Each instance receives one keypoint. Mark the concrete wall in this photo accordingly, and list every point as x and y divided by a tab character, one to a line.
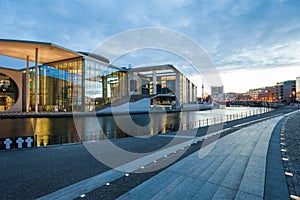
16	76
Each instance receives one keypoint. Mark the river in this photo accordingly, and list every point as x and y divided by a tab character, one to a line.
48	131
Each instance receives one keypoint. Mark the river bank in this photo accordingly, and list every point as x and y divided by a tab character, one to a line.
31	173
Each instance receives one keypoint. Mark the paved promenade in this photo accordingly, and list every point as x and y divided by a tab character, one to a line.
235	168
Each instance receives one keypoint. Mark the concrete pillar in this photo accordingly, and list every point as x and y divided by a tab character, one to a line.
36	82
139	85
191	92
183	90
177	90
154	82
27	88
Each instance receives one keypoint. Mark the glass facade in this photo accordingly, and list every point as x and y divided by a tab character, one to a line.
298	88
79	84
103	84
87	84
8	92
164	85
166	82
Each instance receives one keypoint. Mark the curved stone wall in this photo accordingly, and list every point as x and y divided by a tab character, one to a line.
16	76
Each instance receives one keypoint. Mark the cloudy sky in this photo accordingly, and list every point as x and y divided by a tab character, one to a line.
252	43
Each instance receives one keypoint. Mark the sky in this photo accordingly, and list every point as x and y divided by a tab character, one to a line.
252	43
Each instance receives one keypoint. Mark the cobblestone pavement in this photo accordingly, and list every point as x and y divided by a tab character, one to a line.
292	140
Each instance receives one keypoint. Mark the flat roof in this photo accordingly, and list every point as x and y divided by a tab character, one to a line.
155	67
47	52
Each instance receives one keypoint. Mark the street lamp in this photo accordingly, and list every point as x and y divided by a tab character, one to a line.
293	94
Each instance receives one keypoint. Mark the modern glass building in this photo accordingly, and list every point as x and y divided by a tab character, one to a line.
162	79
64	80
79	84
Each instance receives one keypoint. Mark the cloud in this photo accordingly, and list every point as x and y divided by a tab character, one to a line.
237	34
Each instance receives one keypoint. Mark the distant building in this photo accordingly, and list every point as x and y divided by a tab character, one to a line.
285	91
217	93
231	96
298	88
263	94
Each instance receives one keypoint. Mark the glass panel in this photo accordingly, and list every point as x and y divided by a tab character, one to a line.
8	92
102	84
60	86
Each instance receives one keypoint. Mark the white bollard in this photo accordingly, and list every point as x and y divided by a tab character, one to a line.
7	143
29	141
20	141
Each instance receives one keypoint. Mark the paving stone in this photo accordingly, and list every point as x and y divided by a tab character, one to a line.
235	174
246	196
218	176
252	184
165	190
226	172
224	193
186	190
207	191
152	186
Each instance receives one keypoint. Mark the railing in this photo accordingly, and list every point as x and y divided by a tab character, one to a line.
220	119
74	137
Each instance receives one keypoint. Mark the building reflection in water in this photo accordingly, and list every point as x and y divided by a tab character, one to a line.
48	131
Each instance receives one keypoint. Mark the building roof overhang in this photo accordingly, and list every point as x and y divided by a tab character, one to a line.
47	52
154	68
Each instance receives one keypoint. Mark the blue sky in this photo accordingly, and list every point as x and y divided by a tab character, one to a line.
248	40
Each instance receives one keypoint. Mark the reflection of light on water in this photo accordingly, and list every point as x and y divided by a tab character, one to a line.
49	131
41	129
46	139
42	140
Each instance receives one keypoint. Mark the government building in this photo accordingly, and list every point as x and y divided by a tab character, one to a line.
62	80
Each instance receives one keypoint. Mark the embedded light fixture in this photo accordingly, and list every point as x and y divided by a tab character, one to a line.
142	167
127	174
283	150
285	159
154	161
288	174
82	196
294	197
107	184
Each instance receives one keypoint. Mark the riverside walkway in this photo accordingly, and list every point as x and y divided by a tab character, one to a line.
235	168
240	164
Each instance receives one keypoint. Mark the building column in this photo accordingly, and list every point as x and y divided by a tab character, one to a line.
27	87
128	76
191	92
36	82
154	80
177	90
139	85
